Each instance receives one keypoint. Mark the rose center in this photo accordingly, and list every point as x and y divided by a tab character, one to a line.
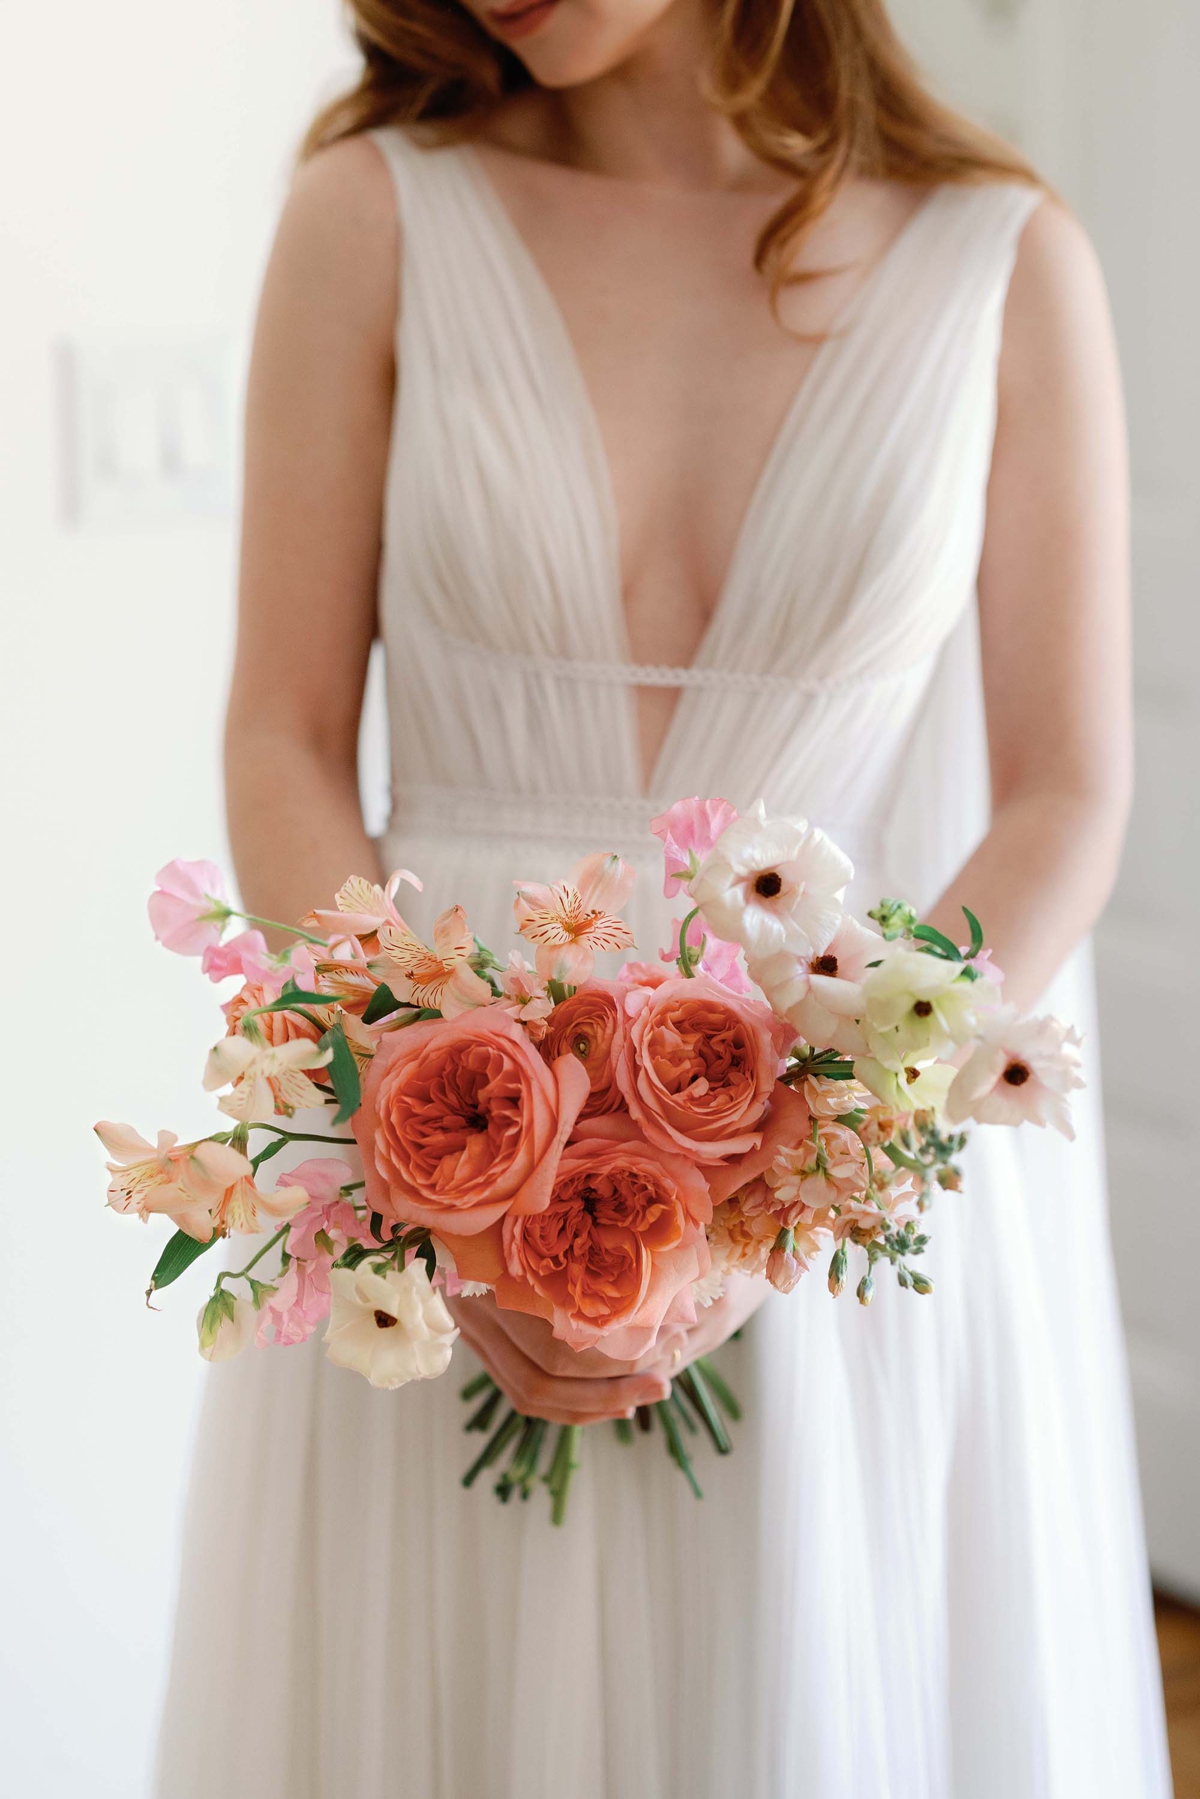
581	1046
385	1321
824	964
922	1008
474	1121
1016	1074
769	884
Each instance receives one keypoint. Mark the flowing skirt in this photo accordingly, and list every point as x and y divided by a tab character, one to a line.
920	1575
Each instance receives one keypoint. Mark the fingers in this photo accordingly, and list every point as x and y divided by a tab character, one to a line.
537	1394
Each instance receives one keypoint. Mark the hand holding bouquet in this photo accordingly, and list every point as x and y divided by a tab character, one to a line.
786	1084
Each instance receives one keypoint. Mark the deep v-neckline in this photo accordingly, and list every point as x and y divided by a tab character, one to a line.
782	447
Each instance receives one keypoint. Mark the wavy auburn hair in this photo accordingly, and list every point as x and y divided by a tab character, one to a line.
819	89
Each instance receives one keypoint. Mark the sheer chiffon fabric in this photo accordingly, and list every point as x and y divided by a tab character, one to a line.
921	1574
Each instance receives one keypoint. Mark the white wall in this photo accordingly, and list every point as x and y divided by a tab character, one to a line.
145	149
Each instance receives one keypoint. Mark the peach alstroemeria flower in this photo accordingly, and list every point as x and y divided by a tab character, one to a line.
442	977
362	907
574	919
185	1181
266	1078
245	1209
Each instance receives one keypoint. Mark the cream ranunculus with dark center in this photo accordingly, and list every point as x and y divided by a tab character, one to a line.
391	1326
822	994
918	1006
772	885
1020	1072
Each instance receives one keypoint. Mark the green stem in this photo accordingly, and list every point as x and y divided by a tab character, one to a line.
237	1274
299	1136
273	924
675	1448
724	1397
685	963
482	1379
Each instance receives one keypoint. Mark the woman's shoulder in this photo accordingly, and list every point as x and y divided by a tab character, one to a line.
337	243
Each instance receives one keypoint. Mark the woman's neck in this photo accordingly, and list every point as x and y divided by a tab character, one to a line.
646	121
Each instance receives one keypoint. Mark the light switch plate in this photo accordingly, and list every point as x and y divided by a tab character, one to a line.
148	431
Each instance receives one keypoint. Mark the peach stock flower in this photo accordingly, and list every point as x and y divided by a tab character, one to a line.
822	1170
525	997
590	1025
441	977
573	920
462	1121
185	1181
698	1066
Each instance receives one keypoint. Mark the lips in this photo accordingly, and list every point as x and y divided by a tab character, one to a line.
519	19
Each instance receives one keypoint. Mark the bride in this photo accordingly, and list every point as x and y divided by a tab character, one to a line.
691	405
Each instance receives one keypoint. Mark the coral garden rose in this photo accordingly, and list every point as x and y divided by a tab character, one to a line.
589	1025
614	1254
698	1066
462	1121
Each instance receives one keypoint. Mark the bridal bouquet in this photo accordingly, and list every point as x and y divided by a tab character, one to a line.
785	1084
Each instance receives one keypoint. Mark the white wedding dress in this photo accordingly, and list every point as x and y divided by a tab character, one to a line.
921	1574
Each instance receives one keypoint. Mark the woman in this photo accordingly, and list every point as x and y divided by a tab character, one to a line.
661	380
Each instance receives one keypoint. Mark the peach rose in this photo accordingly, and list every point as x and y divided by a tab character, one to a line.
612	1257
698	1066
275	1028
462	1121
589	1025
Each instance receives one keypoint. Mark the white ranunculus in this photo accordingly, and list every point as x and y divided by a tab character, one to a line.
917	1006
392	1327
225	1326
772	885
1019	1073
911	1089
822	995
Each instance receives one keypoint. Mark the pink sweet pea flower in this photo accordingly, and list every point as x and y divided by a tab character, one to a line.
302	1294
689	829
188	907
720	960
246	955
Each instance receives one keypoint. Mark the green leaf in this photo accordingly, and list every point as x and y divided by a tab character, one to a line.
291	997
382	1003
976	932
343	1074
178	1256
937	942
264	1155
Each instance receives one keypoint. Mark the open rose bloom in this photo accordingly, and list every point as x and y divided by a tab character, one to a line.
783	1087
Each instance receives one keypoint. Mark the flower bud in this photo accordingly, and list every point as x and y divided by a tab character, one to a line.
225	1326
866	1289
784	1269
837	1270
921	1283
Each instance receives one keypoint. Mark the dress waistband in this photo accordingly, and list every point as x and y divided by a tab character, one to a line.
594	821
